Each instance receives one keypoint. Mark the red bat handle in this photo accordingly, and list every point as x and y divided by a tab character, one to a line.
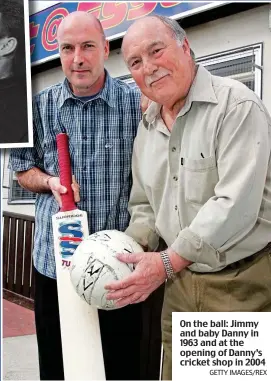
65	172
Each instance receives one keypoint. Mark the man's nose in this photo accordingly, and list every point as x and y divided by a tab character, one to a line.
149	67
78	56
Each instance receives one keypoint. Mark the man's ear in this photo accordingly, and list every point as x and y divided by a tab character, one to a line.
186	46
7	46
106	49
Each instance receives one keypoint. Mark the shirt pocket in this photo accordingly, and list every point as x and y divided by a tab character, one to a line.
200	177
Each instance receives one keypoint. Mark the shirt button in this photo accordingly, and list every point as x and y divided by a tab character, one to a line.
175	178
173	149
84	137
176	207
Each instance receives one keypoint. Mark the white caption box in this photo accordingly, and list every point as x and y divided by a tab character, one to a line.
221	345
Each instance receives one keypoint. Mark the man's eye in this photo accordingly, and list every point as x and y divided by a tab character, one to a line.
156	50
134	63
89	46
66	47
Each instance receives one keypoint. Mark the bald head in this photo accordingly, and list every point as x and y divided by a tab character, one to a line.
79	18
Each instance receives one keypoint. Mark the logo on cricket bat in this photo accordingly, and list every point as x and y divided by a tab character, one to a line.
70	235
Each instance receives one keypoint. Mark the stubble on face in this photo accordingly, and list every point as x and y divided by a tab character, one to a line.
85	70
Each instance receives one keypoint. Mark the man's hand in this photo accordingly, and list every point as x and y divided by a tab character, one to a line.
58	189
148	275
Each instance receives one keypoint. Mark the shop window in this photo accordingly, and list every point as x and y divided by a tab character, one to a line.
128	79
11	190
244	65
17	194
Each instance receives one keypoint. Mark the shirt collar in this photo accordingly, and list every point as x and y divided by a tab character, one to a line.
107	93
200	91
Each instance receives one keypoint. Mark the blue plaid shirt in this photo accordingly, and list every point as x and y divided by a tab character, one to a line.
101	133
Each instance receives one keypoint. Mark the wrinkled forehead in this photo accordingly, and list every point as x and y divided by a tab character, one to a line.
149	27
142	40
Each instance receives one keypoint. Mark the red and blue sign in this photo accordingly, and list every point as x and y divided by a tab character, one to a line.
115	17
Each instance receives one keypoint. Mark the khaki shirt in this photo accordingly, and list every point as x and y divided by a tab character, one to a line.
205	188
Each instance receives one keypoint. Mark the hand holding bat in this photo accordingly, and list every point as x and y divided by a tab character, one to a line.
58	189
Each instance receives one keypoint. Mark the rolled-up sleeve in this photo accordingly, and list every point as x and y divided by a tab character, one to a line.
142	223
243	157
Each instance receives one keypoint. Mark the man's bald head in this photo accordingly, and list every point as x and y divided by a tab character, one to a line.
79	18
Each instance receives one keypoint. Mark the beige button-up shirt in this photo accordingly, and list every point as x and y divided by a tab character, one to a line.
205	188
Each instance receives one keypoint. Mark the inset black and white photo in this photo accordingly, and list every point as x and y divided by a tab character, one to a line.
15	81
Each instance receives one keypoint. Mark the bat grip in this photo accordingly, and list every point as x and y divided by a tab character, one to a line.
65	172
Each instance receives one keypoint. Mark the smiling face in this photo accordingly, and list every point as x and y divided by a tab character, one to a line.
83	50
161	66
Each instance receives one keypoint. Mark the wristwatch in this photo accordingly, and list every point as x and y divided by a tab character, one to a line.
167	264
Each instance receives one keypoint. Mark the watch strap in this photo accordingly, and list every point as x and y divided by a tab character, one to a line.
167	264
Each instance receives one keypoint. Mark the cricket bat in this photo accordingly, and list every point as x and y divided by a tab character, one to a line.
79	322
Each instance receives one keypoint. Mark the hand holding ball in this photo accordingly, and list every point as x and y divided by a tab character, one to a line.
95	265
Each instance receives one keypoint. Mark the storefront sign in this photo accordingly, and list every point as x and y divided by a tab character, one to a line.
115	17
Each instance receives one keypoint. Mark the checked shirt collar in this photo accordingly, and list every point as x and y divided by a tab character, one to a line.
107	93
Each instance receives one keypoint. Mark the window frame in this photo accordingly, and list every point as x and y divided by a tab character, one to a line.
18	201
230	55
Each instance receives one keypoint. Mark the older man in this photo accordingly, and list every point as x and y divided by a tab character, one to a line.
13	93
201	182
101	116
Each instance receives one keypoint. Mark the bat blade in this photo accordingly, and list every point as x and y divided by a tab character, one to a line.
79	322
